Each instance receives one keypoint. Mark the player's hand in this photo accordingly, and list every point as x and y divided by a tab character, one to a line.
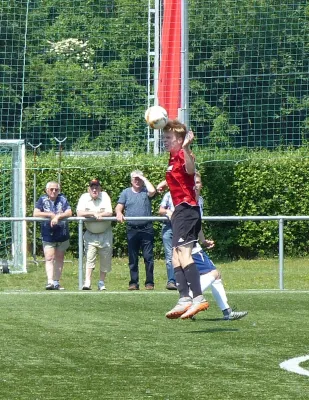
169	214
209	244
188	139
161	186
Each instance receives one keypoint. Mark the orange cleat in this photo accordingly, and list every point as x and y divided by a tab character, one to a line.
199	304
181	307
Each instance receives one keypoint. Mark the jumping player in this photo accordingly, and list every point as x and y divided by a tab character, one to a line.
186	219
210	277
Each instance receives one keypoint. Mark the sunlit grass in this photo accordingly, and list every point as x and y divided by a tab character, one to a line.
237	275
94	345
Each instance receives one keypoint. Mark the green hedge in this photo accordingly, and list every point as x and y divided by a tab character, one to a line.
258	183
114	173
278	186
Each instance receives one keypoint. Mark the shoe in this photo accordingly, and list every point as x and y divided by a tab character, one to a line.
198	304
181	307
133	287
233	315
149	287
50	286
86	287
58	287
171	286
101	286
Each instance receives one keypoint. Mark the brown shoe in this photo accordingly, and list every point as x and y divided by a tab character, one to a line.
133	287
171	286
149	287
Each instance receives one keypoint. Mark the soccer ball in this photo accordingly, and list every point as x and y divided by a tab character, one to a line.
156	117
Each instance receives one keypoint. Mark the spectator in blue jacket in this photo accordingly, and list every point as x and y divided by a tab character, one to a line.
54	207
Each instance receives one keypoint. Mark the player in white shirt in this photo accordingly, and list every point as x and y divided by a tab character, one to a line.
209	275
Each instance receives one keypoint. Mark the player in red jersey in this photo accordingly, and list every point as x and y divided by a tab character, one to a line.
186	219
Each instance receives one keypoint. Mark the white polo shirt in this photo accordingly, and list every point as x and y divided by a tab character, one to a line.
102	203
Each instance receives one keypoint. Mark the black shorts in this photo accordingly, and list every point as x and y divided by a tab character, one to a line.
186	224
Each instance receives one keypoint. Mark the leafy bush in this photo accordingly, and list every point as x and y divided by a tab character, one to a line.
259	183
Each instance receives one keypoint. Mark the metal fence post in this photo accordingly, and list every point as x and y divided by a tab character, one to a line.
281	253
80	254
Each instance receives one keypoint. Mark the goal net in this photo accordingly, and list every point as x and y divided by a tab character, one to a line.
13	243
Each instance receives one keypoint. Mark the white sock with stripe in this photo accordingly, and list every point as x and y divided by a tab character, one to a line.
206	280
219	294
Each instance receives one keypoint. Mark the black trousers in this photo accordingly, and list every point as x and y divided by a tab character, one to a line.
140	238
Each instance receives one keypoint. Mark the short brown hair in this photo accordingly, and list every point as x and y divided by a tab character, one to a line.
173	125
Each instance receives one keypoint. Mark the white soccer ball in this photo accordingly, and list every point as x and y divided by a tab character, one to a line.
156	117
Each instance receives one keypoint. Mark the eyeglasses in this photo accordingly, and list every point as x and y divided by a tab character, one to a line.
54	189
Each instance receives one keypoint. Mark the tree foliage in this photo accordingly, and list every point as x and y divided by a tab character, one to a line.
255	71
78	69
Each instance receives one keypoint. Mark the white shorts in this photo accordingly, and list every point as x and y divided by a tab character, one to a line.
102	244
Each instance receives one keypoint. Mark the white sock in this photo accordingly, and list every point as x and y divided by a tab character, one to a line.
219	294
206	280
56	283
101	282
87	283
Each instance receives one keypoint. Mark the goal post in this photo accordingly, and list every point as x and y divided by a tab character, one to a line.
13	234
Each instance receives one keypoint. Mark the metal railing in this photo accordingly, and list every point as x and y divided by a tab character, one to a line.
81	220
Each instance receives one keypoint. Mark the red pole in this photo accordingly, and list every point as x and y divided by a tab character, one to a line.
169	88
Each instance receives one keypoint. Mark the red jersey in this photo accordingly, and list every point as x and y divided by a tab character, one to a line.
180	183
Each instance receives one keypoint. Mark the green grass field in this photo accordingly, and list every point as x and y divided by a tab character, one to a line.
119	345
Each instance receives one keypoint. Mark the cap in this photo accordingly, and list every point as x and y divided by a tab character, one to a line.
95	182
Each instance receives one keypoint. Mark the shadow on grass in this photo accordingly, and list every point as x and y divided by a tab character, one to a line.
197	324
215	330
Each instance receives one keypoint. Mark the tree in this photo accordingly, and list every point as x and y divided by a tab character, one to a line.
249	62
87	74
12	32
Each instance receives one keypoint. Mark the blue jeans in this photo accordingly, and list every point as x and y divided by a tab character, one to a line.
167	236
141	238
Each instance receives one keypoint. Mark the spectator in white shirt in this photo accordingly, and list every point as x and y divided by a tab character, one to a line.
98	238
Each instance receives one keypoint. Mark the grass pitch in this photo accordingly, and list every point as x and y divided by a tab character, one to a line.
119	345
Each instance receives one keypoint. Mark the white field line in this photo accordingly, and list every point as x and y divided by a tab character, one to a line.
144	292
292	365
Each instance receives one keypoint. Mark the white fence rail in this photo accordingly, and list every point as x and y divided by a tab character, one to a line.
279	218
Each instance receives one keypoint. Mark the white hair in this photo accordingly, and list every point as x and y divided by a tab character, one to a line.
136	172
48	184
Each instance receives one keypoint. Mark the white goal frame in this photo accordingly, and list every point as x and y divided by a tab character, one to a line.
17	259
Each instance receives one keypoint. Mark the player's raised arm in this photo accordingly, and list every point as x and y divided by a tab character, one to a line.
162	186
189	159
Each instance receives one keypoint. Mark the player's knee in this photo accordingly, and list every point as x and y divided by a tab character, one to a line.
217	274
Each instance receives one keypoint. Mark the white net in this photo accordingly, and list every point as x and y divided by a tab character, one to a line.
12	205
